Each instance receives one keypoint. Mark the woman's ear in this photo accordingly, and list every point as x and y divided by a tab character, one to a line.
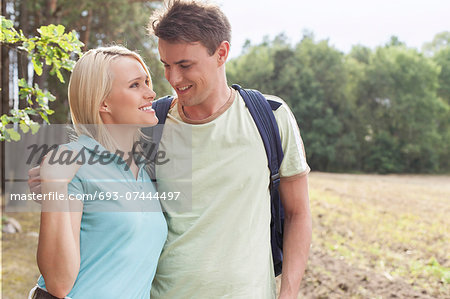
105	112
104	107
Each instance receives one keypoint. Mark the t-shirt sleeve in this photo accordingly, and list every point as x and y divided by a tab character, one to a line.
294	162
75	188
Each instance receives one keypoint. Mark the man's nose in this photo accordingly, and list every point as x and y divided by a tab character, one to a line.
174	77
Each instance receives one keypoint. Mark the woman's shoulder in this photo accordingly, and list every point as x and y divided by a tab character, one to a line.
65	157
59	165
75	145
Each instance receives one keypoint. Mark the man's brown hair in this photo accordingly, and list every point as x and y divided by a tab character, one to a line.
191	21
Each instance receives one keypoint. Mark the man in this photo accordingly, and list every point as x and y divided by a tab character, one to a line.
221	248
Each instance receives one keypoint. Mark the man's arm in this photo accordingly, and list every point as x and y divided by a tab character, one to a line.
297	233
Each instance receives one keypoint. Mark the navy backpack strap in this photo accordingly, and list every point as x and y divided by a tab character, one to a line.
161	107
261	110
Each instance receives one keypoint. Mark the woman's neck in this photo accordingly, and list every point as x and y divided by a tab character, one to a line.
123	138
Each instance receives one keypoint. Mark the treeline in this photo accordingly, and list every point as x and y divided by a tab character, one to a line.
384	110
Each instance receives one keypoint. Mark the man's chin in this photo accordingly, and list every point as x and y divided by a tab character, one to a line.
185	101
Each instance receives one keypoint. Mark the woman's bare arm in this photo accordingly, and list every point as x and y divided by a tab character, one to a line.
58	254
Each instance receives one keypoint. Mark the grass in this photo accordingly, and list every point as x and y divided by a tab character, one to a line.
19	269
396	227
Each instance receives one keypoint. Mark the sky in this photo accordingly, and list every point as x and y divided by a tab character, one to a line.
344	23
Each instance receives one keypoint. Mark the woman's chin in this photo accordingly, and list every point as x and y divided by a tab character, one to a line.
152	121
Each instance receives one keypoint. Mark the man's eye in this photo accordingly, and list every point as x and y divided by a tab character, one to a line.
184	66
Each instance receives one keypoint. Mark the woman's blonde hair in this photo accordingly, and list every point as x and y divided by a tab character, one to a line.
90	83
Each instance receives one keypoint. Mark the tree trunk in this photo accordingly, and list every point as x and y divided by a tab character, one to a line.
85	35
4	107
22	57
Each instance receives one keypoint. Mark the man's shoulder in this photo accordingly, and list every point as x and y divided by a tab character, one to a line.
274	98
283	110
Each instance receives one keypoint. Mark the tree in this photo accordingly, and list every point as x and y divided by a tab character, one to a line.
96	23
442	59
311	79
394	41
440	41
400	108
322	77
253	68
53	48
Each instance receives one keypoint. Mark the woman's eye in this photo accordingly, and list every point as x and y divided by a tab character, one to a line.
134	85
184	66
147	82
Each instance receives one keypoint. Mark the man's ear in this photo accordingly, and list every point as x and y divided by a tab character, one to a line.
222	52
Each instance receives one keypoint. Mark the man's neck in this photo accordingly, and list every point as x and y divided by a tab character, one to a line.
209	106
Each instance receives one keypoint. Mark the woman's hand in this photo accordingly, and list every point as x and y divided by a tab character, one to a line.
56	171
34	180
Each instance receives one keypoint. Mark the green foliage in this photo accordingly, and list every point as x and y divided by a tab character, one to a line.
383	154
442	59
101	23
440	41
254	68
52	47
402	106
384	110
311	79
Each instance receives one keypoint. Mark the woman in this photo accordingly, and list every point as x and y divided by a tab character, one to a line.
108	245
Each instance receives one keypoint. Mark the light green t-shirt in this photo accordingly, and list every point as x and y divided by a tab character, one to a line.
221	247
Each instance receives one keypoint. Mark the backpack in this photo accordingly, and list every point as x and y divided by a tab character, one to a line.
261	110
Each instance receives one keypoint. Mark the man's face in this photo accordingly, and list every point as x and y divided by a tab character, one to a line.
191	71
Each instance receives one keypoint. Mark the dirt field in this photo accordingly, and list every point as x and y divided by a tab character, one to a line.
379	237
373	237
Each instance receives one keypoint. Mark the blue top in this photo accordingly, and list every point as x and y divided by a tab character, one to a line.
120	238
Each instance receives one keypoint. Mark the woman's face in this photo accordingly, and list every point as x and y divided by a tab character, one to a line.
131	95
